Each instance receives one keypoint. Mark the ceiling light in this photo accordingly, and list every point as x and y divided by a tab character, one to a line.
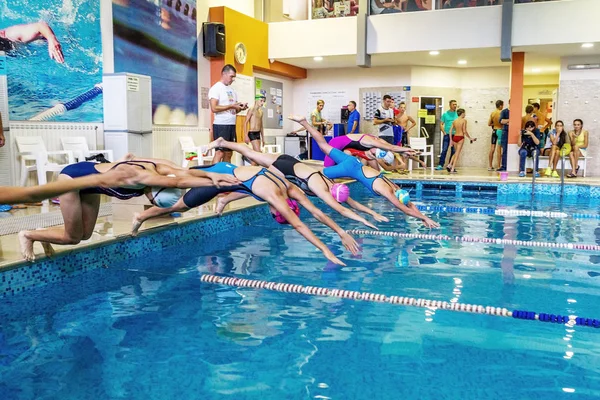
536	70
434	53
587	45
462	62
318	58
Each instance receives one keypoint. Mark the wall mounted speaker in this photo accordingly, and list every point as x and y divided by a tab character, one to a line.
213	39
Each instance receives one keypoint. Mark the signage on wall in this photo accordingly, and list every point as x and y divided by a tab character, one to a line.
415	99
2	63
406	88
430	106
133	84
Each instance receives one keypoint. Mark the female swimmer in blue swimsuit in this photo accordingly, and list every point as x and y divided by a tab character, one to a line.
80	208
349	167
310	180
282	197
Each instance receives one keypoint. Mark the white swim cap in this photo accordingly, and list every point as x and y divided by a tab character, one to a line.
387	156
165	197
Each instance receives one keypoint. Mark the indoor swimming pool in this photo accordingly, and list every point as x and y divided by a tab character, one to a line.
148	328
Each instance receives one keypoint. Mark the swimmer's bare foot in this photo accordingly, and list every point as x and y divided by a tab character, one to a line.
136	223
221	203
212	145
26	246
297	118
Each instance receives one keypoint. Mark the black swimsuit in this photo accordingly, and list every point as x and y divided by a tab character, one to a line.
285	164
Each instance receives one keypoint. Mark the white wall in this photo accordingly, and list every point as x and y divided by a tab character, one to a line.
464	28
319	37
586	74
435	77
534	23
297	10
349	79
106	34
485	77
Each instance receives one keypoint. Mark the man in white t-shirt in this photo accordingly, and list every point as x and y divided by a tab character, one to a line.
384	118
224	104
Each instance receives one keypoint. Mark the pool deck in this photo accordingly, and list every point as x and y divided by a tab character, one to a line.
118	225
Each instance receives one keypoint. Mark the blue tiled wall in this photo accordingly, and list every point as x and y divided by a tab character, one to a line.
63	266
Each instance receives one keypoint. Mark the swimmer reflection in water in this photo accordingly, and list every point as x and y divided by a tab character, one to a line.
28	33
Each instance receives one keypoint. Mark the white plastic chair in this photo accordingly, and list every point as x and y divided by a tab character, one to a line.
188	146
421	145
272	149
32	148
79	146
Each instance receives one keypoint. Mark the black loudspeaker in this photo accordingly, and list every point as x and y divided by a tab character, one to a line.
213	34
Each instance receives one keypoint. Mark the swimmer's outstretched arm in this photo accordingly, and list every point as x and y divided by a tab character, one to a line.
324	194
279	203
33	194
348	241
382	144
411	209
29	32
359	207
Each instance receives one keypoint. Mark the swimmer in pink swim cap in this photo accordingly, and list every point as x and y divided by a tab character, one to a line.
283	199
309	179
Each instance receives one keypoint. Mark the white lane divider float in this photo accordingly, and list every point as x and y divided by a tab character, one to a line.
470	239
400	300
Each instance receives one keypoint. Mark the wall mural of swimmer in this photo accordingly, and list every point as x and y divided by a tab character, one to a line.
54	59
158	38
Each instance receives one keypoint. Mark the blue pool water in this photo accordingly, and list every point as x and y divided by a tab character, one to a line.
174	81
149	329
35	82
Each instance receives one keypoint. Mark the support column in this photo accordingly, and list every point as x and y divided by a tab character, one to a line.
516	107
363	59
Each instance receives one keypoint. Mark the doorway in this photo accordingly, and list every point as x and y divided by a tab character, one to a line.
430	114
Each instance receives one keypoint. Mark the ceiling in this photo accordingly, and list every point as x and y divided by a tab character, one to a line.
538	59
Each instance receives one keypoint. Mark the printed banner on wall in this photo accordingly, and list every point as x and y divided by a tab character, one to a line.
158	39
54	59
396	6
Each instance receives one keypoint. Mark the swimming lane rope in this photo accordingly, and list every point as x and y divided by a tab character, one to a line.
470	239
400	300
72	104
506	212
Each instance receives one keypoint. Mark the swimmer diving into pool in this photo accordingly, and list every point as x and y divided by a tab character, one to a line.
28	33
80	208
349	167
310	180
283	199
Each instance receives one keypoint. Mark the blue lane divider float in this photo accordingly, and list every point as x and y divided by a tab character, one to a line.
401	300
506	211
72	104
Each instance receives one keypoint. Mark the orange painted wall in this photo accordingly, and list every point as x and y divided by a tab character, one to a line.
255	36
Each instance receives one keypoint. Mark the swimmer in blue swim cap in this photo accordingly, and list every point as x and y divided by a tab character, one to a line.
349	167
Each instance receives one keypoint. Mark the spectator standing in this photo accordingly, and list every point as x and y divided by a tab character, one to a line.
384	118
494	123
224	104
504	116
446	126
353	118
317	121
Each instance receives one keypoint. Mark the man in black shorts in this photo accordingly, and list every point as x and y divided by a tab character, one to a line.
224	104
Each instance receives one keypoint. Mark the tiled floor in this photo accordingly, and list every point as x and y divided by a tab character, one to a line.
119	224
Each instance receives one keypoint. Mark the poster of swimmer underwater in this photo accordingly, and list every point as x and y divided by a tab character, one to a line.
158	38
54	59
